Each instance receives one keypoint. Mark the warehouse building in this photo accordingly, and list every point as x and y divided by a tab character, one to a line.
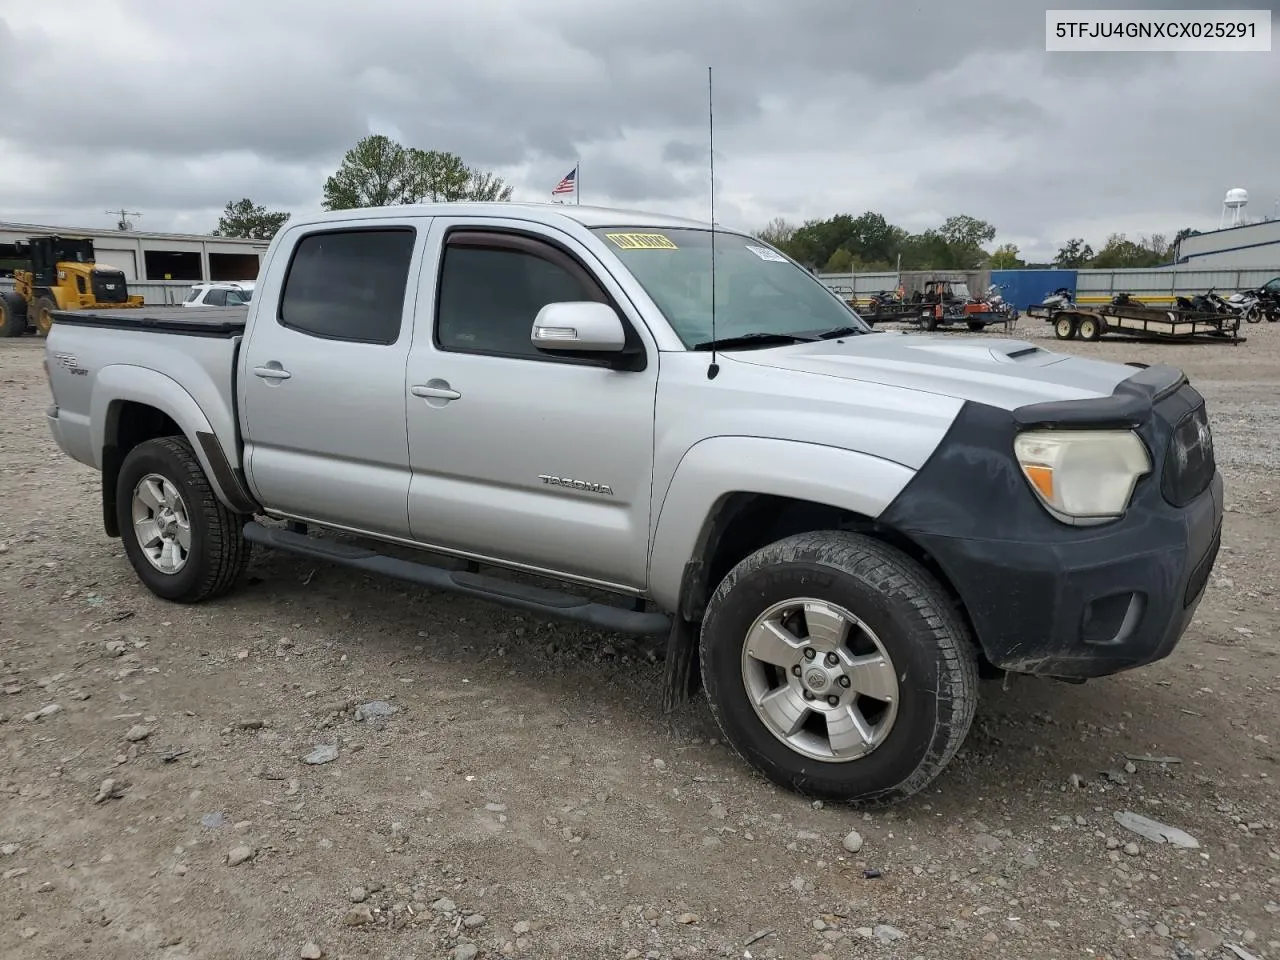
174	257
1248	246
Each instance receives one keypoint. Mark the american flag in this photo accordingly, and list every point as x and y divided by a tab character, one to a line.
568	184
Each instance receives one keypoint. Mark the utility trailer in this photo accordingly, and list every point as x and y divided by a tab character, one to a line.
889	313
1074	322
949	302
943	303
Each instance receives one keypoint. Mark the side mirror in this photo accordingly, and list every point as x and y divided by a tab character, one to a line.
576	327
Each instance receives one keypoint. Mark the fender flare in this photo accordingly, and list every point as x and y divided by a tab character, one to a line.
121	382
713	470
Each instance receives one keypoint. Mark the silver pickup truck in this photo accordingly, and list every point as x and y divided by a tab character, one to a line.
836	529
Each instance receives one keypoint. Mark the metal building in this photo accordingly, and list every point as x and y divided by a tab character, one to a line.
173	257
1248	246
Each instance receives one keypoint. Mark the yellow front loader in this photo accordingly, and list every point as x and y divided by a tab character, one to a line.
63	276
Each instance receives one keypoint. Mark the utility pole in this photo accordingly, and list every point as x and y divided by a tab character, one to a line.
124	223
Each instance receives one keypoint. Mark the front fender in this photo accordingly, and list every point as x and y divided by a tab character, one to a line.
713	469
125	382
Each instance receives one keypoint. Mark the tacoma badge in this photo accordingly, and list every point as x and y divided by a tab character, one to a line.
583	485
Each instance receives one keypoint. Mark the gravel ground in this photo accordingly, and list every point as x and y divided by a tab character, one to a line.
528	798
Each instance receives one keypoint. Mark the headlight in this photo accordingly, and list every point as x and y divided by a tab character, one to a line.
1083	476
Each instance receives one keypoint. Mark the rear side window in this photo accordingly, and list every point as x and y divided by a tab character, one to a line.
195	292
349	285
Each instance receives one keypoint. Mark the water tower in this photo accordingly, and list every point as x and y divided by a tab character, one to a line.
1235	201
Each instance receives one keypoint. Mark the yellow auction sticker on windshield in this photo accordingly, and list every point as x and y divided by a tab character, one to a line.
641	241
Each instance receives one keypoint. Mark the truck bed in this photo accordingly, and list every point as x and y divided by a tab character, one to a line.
127	354
186	321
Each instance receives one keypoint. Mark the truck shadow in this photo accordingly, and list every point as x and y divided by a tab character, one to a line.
1029	737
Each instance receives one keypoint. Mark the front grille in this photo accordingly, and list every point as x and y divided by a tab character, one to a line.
1189	465
109	286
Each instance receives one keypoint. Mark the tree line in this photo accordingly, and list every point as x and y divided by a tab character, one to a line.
376	172
869	243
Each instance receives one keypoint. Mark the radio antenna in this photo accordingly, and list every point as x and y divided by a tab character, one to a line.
711	138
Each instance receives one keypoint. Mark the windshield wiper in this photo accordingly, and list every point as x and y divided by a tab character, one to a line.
762	339
839	332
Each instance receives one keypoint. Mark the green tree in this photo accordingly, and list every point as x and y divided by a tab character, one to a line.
379	172
839	262
440	176
964	231
244	218
374	173
1073	255
964	236
1120	252
1006	257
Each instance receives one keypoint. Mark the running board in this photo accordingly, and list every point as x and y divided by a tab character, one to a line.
550	603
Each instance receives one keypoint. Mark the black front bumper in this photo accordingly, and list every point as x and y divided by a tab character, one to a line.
1055	600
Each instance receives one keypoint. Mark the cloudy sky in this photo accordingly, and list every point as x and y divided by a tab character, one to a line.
918	109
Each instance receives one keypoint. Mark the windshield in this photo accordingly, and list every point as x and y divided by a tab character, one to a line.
758	290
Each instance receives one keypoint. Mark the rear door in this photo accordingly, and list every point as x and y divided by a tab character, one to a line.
518	455
322	379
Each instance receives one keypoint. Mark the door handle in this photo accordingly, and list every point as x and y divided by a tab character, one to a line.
429	392
272	371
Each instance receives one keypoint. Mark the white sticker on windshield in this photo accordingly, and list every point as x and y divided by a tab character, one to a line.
764	253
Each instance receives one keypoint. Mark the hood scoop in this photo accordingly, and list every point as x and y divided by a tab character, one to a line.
1001	351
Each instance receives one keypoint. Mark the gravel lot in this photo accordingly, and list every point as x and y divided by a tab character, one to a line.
528	798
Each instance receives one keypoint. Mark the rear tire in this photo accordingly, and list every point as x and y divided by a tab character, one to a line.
1064	327
13	315
1089	329
42	319
975	326
907	642
183	543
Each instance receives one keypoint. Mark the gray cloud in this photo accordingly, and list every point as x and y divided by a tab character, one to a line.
918	110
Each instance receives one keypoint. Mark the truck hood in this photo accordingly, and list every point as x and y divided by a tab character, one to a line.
1000	372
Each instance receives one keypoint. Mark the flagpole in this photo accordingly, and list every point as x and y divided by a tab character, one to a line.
577	182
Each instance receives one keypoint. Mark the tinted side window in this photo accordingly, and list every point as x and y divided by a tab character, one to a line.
349	285
216	298
490	296
195	292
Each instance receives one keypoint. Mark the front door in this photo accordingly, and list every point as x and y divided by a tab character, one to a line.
518	455
322	379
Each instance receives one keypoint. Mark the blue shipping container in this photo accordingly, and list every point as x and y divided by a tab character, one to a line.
1022	288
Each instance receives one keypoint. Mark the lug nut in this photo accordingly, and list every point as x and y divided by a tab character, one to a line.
844	682
796	670
810	653
808	695
834	701
832	660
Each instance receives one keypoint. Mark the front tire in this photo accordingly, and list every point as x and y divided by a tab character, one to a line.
42	319
183	543
839	668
